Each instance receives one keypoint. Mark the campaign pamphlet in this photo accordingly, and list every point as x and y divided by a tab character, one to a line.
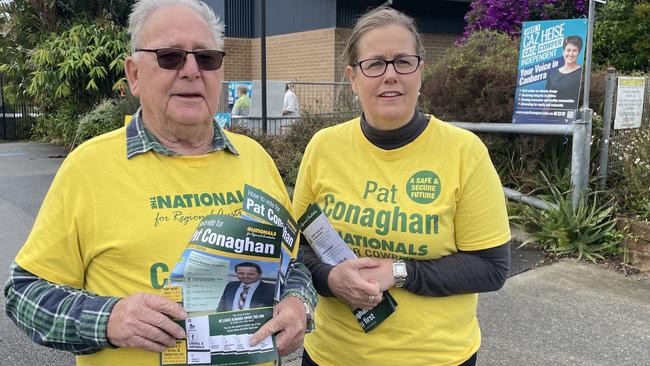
261	207
206	280
331	249
550	71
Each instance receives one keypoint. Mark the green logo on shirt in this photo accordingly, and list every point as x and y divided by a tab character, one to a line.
423	187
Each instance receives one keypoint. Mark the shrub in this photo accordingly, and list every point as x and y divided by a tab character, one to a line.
475	81
65	127
58	127
632	179
287	150
588	231
107	116
522	161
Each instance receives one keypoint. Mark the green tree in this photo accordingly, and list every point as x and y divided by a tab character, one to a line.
32	27
64	56
26	21
622	35
71	11
83	63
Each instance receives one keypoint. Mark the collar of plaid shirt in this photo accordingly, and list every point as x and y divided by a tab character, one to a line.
139	139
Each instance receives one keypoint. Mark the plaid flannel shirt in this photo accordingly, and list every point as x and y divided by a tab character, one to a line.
75	320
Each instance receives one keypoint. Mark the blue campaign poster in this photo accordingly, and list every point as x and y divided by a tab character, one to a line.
551	57
223	119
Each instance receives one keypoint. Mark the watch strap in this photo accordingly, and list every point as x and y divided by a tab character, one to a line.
399	273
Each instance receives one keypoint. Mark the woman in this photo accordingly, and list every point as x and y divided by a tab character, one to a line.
408	193
566	79
242	106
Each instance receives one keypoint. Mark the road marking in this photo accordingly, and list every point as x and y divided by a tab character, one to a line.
12	154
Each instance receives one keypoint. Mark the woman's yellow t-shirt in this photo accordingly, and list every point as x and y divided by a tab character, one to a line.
435	196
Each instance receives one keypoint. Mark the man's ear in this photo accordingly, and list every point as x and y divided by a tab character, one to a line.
131	70
349	71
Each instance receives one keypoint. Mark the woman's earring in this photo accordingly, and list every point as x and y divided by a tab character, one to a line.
356	97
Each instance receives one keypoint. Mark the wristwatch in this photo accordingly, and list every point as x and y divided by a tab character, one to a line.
309	313
399	273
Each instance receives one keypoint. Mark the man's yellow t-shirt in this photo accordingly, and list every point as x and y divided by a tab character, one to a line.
428	199
115	227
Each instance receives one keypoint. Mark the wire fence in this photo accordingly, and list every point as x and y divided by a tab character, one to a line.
325	98
315	99
16	121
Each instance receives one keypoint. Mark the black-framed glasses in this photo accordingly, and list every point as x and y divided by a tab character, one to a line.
376	67
174	58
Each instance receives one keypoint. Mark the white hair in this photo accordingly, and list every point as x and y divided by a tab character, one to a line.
142	9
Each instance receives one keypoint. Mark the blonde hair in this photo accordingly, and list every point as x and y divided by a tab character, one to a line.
376	18
242	88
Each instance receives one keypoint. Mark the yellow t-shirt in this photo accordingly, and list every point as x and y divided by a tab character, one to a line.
116	227
429	199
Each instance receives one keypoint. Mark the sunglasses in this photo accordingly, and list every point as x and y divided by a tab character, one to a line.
174	58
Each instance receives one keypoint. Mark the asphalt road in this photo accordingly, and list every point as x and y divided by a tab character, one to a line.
26	171
568	313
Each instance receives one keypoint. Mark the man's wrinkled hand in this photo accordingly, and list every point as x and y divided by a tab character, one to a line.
289	323
142	321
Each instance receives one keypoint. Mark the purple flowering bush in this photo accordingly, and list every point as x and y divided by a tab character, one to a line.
507	16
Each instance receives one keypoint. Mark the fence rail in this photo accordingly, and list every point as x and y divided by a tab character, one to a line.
314	97
325	99
16	122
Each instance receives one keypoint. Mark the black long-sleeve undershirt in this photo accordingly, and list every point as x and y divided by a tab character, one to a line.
460	273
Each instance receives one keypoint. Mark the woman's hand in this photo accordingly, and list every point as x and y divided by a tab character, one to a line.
381	274
347	284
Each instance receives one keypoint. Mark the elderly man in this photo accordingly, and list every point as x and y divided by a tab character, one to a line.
123	205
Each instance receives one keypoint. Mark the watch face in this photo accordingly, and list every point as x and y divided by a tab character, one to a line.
399	269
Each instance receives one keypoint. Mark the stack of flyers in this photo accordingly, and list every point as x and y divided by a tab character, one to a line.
331	249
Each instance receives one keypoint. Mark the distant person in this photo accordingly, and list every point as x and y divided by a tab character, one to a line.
249	292
290	106
566	79
242	106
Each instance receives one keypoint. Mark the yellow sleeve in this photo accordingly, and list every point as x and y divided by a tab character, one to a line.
481	219
54	248
303	194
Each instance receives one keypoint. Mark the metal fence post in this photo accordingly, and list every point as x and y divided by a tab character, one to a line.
263	65
580	155
2	108
607	125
